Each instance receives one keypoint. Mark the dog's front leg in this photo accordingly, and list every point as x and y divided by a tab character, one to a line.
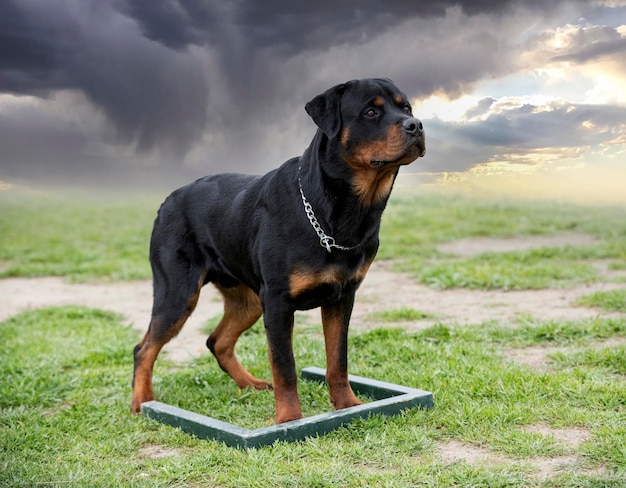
279	329
335	320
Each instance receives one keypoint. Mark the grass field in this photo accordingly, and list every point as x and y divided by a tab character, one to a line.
65	372
102	238
81	238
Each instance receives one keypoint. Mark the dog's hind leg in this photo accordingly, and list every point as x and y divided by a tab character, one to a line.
175	298
242	308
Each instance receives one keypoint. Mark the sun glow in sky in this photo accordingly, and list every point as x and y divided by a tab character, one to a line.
575	75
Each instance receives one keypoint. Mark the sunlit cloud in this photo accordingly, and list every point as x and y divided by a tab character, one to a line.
567	115
441	107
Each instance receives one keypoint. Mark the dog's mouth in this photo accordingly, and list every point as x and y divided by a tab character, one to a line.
416	151
378	163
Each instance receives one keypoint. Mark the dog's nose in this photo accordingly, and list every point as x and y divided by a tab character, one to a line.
413	126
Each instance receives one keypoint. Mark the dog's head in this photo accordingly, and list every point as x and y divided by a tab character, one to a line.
372	122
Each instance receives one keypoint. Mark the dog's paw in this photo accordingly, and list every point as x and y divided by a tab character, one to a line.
262	385
256	383
288	416
135	407
346	401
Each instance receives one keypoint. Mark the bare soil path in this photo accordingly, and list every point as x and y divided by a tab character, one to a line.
382	289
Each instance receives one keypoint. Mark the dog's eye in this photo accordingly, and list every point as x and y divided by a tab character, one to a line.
371	113
407	109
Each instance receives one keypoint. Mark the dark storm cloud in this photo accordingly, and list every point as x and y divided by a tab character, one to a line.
252	38
254	41
30	46
148	92
294	26
178	24
175	75
51	45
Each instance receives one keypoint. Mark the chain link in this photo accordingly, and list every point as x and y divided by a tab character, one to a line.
326	241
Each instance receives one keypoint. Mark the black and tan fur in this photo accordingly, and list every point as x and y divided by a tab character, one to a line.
251	238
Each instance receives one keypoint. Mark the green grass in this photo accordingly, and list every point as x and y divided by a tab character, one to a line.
65	372
612	359
98	238
80	238
617	266
610	301
413	226
402	314
64	412
415	223
506	271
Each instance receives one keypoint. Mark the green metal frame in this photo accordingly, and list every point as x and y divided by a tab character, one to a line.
389	400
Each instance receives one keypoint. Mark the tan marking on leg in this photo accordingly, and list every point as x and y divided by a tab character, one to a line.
341	394
285	397
242	308
142	381
149	349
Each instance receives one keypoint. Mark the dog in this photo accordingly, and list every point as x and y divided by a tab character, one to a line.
300	237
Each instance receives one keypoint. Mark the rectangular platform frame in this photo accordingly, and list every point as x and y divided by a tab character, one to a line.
389	400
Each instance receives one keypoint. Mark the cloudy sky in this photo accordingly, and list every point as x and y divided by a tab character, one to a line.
129	90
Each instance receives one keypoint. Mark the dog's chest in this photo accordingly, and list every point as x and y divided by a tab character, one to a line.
313	288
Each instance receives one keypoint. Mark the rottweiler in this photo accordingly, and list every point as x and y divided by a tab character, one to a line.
301	236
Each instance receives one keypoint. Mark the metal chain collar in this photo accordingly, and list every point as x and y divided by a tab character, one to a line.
326	241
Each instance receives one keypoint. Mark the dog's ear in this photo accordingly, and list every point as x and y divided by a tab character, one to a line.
325	110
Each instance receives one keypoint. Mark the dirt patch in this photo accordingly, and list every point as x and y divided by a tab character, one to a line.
571	437
548	467
611	342
132	300
606	273
474	246
155	451
455	451
536	357
382	289
543	468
